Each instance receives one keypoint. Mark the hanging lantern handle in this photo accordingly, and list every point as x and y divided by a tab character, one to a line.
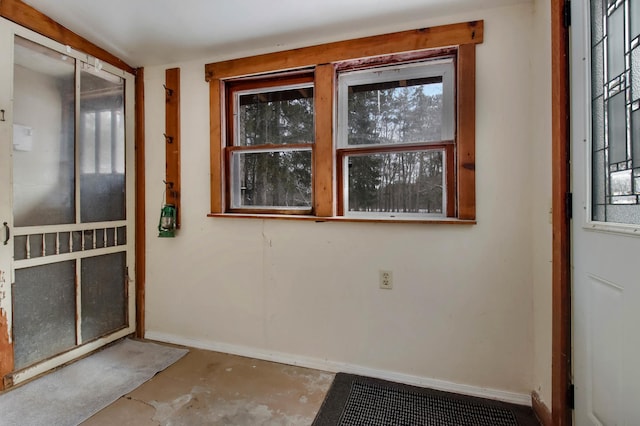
7	233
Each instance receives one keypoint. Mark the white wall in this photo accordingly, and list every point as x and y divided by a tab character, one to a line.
462	307
541	227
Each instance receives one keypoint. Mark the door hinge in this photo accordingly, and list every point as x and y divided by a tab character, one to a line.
568	205
566	14
571	401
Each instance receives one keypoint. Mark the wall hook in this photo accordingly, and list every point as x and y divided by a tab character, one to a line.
2	115
169	184
169	91
168	138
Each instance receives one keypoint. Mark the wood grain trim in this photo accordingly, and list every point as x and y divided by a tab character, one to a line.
140	205
466	131
172	139
284	79
540	409
6	350
243	216
561	293
404	41
216	166
451	181
323	163
28	17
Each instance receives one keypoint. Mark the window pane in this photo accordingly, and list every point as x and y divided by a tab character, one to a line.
276	117
597	22
272	179
615	74
102	146
617	129
404	182
634	8
402	111
43	156
615	43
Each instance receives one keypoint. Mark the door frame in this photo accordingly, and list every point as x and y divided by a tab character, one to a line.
31	19
561	202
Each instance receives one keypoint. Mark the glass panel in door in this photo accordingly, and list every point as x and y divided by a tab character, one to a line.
43	136
44	316
43	296
103	279
102	146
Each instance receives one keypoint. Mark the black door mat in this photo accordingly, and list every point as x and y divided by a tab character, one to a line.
363	401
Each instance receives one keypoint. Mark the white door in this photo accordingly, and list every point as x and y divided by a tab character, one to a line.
67	195
605	103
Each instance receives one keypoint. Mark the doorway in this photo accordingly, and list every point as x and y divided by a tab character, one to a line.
68	194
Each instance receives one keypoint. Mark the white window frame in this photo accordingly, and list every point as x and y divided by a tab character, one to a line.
433	68
234	166
444	68
392	215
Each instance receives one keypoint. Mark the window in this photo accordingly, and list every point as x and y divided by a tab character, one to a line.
269	153
325	132
615	98
396	136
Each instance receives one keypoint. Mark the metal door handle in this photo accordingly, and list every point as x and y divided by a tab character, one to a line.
7	233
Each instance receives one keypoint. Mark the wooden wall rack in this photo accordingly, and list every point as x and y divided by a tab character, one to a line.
172	139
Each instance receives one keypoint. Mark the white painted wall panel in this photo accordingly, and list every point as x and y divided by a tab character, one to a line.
541	228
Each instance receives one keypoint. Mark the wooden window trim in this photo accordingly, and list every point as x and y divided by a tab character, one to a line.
366	47
323	167
466	131
345	219
323	60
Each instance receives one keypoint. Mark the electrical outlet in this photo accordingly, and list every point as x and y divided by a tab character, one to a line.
386	280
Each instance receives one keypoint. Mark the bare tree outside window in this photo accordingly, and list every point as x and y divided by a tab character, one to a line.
276	126
395	161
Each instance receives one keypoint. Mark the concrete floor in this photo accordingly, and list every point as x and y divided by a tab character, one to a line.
211	388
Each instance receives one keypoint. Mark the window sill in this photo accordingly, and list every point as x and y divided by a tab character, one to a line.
447	221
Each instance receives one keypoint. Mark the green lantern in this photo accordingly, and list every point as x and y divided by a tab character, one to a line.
167	224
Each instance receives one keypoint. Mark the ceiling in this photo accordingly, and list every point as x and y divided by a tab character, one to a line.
158	32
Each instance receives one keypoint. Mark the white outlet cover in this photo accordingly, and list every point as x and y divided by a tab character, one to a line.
386	280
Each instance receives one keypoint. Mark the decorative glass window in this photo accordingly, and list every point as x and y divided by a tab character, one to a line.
396	140
615	95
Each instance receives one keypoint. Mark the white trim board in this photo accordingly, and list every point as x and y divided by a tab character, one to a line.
335	367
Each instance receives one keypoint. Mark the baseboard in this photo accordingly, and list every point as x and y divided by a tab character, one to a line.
334	367
541	410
